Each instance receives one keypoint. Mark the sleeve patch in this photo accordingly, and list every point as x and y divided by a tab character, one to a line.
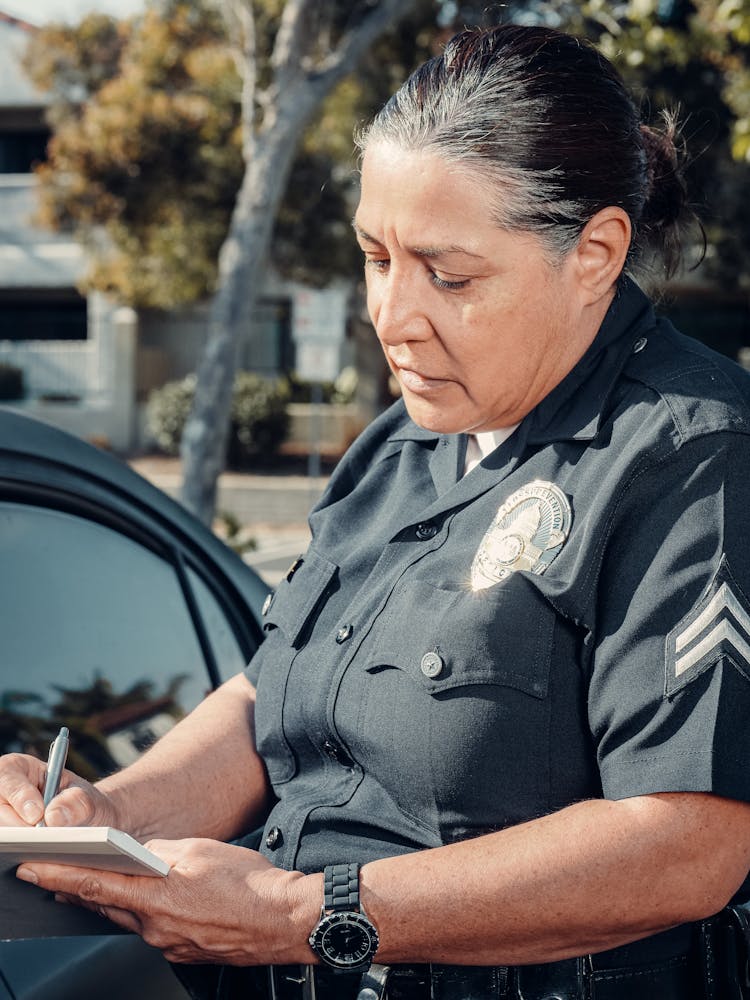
718	626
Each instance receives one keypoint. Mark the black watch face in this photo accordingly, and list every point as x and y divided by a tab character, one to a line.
345	940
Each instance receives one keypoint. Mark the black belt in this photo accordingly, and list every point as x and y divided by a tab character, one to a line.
571	979
705	961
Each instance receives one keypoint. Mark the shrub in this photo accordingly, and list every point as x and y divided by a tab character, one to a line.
259	421
259	418
167	412
11	382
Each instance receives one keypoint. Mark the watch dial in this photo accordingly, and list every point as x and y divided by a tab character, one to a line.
346	939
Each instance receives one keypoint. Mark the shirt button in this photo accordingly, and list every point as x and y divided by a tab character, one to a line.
639	345
344	633
274	838
432	665
426	531
337	753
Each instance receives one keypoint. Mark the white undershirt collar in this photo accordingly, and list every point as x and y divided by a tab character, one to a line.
483	444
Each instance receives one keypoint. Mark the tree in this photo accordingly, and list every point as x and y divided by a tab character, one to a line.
146	169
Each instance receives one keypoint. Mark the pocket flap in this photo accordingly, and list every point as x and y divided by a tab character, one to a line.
299	595
445	639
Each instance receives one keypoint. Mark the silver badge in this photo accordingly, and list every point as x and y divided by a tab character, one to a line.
526	534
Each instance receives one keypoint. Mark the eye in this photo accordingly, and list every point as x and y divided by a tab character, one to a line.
378	264
448	286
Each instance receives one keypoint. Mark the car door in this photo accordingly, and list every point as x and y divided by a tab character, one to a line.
118	613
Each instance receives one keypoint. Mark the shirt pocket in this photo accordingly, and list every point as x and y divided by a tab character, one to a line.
288	620
458	697
444	639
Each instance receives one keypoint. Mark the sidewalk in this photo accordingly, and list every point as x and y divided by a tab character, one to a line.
272	508
265	501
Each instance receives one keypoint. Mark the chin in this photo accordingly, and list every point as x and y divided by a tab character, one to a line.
434	419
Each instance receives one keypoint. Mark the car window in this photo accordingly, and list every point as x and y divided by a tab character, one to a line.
229	657
96	635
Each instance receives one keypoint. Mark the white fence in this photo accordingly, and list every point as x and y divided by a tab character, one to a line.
57	368
85	387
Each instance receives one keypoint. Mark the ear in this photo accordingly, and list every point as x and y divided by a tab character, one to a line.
601	252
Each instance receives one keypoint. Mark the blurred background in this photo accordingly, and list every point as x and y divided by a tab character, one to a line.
176	184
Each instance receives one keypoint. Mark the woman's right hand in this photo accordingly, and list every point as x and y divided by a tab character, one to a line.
78	803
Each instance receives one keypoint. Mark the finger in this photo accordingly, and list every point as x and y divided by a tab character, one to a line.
9	816
20	781
89	886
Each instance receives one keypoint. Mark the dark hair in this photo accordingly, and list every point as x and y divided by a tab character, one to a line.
547	119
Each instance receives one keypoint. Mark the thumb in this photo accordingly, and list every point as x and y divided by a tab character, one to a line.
79	805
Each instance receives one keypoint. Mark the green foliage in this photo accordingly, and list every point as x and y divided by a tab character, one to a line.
694	57
11	382
259	421
167	411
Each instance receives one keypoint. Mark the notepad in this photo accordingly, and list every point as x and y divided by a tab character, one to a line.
83	846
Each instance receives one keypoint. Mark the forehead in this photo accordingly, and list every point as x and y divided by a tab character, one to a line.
416	196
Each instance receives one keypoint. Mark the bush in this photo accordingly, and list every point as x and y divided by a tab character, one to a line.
167	412
11	382
259	421
259	418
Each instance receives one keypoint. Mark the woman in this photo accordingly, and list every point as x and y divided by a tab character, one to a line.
510	677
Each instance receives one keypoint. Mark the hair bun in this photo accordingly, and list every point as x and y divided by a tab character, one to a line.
666	206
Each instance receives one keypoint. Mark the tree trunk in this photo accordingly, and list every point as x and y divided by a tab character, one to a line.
241	264
269	154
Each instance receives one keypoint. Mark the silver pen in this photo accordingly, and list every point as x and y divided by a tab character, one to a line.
58	754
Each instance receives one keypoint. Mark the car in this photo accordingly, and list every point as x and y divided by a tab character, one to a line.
119	611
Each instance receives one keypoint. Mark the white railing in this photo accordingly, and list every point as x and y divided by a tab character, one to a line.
57	368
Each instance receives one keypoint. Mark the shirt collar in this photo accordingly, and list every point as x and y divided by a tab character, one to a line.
573	410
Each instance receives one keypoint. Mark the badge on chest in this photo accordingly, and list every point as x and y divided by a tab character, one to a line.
527	532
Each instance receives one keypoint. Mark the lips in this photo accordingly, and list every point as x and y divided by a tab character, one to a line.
417	381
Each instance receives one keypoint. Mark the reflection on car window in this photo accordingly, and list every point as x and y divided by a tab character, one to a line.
229	657
96	635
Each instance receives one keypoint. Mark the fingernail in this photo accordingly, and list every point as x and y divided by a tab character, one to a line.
30	811
27	875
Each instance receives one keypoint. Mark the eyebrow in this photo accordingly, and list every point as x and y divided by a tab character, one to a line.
429	252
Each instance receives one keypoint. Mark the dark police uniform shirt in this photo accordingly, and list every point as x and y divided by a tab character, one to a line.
407	700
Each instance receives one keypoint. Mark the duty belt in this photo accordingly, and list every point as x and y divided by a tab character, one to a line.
704	961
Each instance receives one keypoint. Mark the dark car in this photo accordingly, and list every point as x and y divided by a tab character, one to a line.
119	611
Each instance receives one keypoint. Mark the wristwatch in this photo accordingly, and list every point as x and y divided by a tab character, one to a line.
343	938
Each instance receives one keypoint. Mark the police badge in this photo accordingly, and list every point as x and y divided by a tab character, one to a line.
527	532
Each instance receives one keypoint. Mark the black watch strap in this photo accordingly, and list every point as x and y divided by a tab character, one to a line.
341	887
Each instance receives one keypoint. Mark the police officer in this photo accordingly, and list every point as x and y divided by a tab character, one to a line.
497	731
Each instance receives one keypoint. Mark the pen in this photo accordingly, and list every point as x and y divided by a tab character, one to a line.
58	754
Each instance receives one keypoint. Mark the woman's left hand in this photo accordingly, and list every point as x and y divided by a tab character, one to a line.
219	904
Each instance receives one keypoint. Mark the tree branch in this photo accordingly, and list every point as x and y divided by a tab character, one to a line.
289	43
242	18
355	42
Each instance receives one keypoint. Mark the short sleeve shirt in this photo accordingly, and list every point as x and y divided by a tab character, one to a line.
456	654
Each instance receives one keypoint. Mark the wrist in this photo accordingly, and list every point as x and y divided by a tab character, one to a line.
344	938
300	910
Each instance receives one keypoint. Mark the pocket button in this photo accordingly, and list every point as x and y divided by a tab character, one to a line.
432	665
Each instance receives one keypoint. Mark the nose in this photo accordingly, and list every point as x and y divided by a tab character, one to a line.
397	309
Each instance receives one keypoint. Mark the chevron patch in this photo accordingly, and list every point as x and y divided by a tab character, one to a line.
718	626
